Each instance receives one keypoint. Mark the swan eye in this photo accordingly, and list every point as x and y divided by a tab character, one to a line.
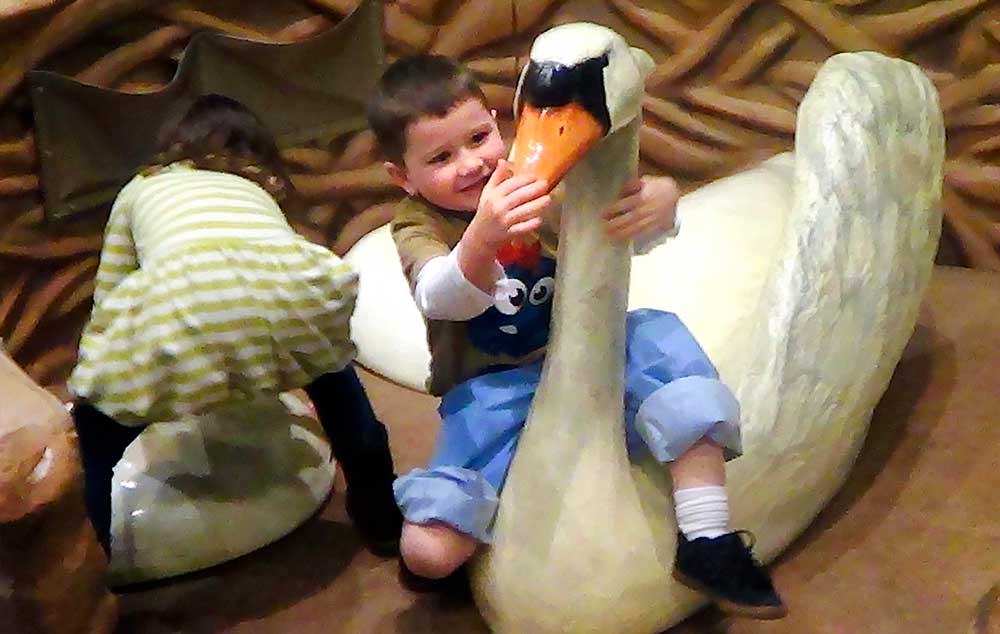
549	84
509	296
542	291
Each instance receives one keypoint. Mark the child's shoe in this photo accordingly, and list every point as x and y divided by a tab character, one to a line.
723	568
372	508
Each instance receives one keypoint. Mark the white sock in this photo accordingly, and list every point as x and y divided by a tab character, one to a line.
702	511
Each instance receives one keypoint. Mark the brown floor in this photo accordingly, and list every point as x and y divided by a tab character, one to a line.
910	545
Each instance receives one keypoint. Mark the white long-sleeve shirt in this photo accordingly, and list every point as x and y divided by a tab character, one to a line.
443	292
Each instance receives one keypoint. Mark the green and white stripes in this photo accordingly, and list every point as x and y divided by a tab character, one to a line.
228	300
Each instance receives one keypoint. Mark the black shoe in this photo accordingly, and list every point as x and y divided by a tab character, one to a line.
372	507
724	569
455	584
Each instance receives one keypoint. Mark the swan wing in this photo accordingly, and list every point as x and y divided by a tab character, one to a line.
855	259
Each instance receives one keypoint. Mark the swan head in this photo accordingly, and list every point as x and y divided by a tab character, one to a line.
582	82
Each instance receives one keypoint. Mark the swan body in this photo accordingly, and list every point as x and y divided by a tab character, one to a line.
801	279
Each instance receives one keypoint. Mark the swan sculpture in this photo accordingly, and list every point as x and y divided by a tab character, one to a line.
800	278
831	323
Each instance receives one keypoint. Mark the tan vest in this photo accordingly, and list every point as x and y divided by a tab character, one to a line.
422	232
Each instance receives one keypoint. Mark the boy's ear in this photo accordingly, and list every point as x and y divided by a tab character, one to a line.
398	175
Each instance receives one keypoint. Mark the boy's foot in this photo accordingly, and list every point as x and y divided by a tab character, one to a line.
372	508
723	568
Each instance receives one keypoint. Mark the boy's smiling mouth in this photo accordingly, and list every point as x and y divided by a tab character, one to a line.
478	183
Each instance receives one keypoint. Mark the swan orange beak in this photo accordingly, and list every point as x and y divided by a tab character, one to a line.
550	140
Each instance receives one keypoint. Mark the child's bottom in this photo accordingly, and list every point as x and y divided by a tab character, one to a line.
358	440
673	398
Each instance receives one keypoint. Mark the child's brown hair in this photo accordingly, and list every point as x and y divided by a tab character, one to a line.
414	87
218	133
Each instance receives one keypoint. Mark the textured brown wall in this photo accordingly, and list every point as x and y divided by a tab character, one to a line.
730	76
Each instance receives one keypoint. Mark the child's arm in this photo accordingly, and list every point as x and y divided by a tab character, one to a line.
457	284
646	212
118	257
509	206
443	292
440	290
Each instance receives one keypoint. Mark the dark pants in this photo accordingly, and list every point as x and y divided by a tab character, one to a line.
358	440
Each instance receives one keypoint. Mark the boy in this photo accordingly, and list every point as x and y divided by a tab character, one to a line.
485	287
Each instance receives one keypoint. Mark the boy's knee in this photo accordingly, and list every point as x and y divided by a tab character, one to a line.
435	550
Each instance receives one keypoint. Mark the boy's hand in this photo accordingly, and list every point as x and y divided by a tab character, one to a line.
509	206
647	207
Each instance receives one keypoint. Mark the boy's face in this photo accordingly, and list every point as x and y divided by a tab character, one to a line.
449	159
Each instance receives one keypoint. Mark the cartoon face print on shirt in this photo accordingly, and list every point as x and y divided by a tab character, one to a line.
518	322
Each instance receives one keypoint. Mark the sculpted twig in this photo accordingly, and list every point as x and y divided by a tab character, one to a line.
898	30
107	70
840	33
65	27
698	48
679	155
764	116
676	116
658	24
361	225
764	50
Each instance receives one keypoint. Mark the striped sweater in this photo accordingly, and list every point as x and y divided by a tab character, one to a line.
205	294
155	215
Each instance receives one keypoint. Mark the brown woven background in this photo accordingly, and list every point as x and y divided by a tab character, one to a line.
729	78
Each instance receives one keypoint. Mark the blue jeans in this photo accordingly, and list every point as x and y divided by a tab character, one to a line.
673	398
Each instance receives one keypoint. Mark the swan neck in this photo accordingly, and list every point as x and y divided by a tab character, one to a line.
585	360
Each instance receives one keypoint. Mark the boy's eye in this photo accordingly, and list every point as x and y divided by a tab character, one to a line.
440	157
479	137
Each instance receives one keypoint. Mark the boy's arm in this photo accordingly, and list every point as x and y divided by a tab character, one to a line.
440	290
476	264
443	292
644	244
645	214
508	206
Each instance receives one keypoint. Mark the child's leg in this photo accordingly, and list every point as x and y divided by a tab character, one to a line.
360	444
711	557
435	550
358	439
449	507
102	444
685	416
700	500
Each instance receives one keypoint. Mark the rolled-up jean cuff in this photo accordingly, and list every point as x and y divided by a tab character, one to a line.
459	497
679	414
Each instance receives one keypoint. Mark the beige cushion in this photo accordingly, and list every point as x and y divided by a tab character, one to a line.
197	492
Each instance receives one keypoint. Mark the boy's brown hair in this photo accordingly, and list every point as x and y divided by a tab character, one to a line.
414	87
